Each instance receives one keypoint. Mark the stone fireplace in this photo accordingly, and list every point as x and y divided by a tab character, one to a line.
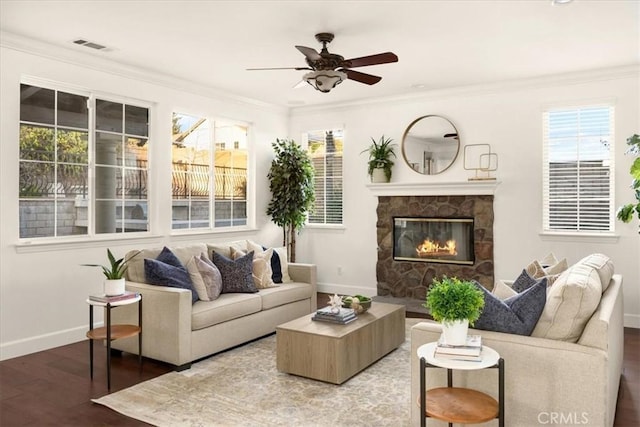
405	270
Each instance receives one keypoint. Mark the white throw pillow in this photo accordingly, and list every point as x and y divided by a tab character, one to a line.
196	279
571	302
503	291
261	269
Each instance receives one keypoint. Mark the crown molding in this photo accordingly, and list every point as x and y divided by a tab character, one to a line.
101	63
579	77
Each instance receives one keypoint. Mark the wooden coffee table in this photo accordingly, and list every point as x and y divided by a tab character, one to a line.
334	353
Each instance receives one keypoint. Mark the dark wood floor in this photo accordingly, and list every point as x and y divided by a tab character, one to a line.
53	388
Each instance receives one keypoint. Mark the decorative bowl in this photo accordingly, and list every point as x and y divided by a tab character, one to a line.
364	303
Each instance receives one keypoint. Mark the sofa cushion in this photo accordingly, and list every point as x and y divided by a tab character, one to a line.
135	270
236	274
167	270
284	294
515	315
570	303
603	265
225	248
226	307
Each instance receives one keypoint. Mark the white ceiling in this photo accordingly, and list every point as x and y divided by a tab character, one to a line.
440	44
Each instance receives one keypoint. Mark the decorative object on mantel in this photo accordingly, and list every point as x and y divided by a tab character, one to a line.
625	212
479	158
430	145
380	163
457	304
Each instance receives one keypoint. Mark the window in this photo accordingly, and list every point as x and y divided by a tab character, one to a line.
209	180
80	176
578	169
325	150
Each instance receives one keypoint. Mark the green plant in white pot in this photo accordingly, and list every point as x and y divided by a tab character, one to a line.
456	304
380	163
114	273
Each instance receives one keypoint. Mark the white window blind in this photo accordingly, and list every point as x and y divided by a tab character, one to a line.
578	169
325	150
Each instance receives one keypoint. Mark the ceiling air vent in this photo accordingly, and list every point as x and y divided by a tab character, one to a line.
92	45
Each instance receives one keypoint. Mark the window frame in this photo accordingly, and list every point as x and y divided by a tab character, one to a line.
581	138
306	144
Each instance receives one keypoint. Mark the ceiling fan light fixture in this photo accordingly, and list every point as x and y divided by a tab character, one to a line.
325	80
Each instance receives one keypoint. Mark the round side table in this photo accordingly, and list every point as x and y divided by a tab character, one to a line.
111	332
471	406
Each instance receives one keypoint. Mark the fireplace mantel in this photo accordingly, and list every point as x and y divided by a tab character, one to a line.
447	188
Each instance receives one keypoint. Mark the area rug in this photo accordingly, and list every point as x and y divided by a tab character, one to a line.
242	387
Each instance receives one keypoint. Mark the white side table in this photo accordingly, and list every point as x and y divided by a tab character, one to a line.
472	406
113	332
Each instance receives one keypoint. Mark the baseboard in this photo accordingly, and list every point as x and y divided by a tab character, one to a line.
17	348
332	288
632	321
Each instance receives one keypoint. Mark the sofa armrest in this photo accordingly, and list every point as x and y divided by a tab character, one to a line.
166	323
306	273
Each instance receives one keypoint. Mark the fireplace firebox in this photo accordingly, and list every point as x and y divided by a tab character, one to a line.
437	240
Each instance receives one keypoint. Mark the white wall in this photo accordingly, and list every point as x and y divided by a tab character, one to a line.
509	118
43	288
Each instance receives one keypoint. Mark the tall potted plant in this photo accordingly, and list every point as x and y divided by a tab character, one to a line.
625	212
292	191
456	304
380	163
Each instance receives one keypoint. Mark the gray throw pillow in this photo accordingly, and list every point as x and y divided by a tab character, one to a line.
236	274
160	273
523	282
518	314
211	276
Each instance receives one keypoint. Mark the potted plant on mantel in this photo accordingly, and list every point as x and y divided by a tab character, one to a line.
380	163
456	304
114	273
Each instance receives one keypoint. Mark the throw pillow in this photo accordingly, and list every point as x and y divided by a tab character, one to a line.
196	279
556	268
261	267
502	291
284	263
515	315
549	259
570	303
164	271
211	277
534	269
236	274
276	268
523	282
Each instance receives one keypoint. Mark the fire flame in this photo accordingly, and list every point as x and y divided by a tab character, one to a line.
431	247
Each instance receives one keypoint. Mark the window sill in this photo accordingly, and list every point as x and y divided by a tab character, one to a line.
555	236
211	232
34	246
328	227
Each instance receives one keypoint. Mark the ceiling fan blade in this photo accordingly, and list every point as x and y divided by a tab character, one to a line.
279	68
365	78
309	52
363	61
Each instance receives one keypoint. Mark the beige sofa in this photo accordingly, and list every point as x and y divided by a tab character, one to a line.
547	382
179	332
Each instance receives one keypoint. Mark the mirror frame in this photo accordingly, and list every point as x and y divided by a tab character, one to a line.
404	142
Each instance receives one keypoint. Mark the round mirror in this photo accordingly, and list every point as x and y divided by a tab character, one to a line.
430	145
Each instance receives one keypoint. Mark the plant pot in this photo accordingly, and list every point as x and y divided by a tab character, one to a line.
114	287
378	175
455	332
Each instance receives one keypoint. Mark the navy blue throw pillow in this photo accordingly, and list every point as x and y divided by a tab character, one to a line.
518	314
237	275
276	267
523	282
167	270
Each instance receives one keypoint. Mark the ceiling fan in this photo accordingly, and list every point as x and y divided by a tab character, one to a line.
330	69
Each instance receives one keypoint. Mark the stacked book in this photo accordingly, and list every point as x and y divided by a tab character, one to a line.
113	298
344	316
470	351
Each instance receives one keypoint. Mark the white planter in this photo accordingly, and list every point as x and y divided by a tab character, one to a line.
455	332
114	287
378	175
